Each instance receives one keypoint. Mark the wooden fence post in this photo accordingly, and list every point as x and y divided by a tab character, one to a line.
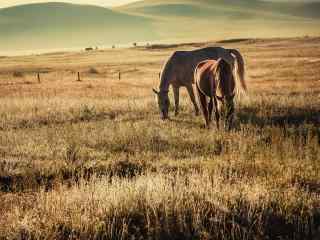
79	79
119	75
38	77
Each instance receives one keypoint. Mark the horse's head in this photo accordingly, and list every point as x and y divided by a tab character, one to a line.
163	103
224	76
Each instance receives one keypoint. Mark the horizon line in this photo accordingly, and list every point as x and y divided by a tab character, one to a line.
70	2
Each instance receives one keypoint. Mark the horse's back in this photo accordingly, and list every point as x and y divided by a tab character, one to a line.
214	53
182	67
190	59
205	67
204	77
179	68
207	81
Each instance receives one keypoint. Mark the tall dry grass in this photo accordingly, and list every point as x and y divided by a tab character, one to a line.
92	160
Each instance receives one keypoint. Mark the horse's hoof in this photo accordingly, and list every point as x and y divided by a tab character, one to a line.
204	126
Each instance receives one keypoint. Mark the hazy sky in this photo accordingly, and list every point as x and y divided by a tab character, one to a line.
7	3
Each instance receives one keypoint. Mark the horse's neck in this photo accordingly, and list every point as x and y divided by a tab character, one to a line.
165	78
164	84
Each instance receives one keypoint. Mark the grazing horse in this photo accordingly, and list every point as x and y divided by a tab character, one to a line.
215	79
178	71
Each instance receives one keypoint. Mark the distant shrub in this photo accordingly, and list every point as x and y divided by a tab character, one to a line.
127	168
18	74
87	113
27	82
93	70
72	152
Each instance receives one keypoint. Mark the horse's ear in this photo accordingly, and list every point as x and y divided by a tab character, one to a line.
155	91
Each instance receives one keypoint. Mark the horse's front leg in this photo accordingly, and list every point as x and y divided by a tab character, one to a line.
204	107
229	113
193	99
176	99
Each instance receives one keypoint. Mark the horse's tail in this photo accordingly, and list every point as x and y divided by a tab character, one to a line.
240	68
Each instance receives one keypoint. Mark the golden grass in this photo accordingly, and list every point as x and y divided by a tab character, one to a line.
92	160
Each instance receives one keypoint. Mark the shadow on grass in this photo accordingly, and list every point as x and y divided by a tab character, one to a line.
185	122
33	180
52	121
279	116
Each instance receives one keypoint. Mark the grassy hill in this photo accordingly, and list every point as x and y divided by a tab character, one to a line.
56	25
61	25
216	8
216	19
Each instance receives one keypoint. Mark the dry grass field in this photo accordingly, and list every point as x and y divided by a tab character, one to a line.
92	159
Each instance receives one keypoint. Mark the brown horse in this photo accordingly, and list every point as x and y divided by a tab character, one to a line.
215	79
178	72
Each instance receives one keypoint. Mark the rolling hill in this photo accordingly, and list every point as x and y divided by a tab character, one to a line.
216	8
218	19
61	25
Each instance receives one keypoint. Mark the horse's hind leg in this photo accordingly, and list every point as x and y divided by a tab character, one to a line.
176	99
193	99
216	111
210	106
204	107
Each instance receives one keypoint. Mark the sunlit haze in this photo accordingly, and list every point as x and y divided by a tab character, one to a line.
5	3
